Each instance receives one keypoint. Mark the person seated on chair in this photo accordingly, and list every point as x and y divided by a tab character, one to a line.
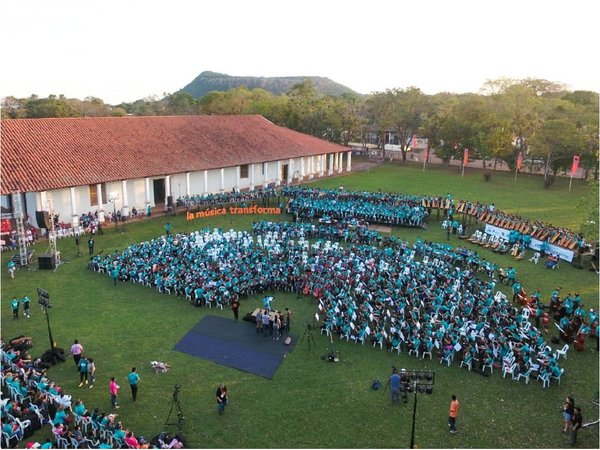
552	261
502	275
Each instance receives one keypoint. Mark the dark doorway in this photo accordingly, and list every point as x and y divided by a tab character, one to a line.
159	191
284	172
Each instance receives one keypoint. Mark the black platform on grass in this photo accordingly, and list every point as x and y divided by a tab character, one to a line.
234	343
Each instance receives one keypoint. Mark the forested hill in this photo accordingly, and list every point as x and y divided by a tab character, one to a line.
212	81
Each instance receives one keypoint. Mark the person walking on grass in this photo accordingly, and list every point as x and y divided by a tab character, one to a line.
26	308
454	405
576	423
92	371
221	398
14	304
113	389
76	351
83	370
134	379
235	307
12	266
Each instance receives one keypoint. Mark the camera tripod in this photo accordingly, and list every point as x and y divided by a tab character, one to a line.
308	332
175	404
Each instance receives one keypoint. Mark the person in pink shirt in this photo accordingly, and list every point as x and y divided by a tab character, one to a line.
113	388
131	440
76	351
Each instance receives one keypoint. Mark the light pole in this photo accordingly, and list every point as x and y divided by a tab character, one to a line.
44	301
419	381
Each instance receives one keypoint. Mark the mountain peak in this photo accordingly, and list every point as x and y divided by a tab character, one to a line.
209	81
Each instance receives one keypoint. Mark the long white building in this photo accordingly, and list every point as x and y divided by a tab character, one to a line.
78	165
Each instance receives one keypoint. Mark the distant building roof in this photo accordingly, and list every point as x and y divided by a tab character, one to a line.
45	154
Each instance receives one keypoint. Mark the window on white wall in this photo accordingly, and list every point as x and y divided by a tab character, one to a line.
94	194
244	171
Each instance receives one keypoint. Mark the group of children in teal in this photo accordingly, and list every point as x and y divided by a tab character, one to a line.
421	297
384	208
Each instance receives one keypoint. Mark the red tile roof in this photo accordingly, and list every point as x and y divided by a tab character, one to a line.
44	154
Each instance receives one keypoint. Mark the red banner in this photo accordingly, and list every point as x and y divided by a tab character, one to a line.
575	165
413	144
466	157
519	160
425	154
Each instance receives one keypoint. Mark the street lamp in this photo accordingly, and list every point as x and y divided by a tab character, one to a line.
419	381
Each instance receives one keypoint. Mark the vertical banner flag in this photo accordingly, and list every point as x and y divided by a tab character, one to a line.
519	160
466	157
575	165
426	154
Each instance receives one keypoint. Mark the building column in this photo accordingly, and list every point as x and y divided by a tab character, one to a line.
147	187
125	200
336	160
341	162
251	177
310	167
187	184
330	171
206	182
222	179
43	198
167	189
100	203
237	178
74	215
278	179
320	160
349	162
290	177
302	168
266	180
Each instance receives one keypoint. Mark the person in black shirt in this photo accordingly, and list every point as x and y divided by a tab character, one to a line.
576	423
221	396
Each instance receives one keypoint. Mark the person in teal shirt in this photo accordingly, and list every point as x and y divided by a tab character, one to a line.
134	380
26	311
168	228
516	288
115	275
14	304
11	268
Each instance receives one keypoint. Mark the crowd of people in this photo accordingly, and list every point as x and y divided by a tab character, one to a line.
31	400
372	207
424	298
235	196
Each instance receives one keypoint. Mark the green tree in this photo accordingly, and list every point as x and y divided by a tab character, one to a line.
379	109
407	112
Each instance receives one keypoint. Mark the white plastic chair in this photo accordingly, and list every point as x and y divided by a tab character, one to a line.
525	375
557	377
545	379
562	352
535	258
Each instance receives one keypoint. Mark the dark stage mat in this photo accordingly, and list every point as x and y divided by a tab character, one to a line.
234	343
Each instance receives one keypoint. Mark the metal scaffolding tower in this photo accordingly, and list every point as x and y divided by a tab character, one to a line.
17	208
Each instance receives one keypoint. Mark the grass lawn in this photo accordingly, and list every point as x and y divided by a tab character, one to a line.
310	402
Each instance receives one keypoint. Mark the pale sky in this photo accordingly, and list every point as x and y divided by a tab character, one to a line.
124	50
